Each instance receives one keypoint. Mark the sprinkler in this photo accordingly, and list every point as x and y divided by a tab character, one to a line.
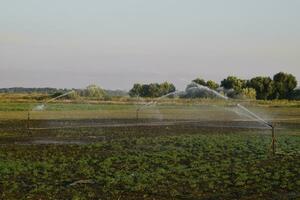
28	123
42	107
273	137
151	103
270	125
137	113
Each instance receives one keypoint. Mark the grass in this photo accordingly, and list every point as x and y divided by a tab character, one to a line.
200	111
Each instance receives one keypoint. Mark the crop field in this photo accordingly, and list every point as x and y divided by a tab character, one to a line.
165	151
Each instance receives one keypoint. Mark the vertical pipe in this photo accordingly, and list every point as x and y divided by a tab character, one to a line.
28	123
137	114
273	139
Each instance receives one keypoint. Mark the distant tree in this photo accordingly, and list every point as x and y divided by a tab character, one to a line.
50	91
295	94
194	90
244	93
264	87
212	85
166	88
152	89
117	93
284	84
248	93
73	95
232	82
136	90
94	91
191	86
145	91
200	81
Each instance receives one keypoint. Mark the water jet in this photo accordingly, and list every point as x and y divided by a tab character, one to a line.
154	102
41	107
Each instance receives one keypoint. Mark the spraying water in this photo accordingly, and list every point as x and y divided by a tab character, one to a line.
60	96
249	114
254	116
39	107
155	102
159	98
205	88
42	106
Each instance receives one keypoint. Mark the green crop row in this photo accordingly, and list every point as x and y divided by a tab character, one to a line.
217	166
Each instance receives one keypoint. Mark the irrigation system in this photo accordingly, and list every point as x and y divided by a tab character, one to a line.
151	103
270	125
42	106
250	114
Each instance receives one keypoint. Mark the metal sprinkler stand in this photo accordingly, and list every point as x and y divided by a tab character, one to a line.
28	123
273	138
137	113
272	126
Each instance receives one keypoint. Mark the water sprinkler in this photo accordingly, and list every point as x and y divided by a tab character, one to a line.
273	137
141	107
41	107
62	95
28	122
137	113
153	102
270	125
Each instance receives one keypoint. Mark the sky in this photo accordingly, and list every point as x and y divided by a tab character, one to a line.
116	43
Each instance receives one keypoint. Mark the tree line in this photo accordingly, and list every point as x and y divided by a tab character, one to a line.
151	90
281	86
44	90
91	91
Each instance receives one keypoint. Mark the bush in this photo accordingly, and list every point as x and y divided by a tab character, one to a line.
295	94
245	93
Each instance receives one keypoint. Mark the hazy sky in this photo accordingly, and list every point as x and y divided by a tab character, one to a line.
72	43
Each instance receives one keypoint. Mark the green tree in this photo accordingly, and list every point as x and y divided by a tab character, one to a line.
136	90
232	82
73	95
145	91
200	81
94	91
166	88
212	85
154	90
263	86
284	84
248	93
295	94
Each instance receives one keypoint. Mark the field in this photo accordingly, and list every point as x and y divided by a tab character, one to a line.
201	150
